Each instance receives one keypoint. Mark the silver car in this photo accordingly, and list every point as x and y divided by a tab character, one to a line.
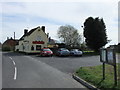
63	52
76	52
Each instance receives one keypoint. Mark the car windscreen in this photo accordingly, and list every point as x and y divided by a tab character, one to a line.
46	50
75	50
63	49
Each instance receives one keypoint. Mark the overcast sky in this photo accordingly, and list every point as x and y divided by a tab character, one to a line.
16	16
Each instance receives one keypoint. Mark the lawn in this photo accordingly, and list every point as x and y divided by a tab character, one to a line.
94	76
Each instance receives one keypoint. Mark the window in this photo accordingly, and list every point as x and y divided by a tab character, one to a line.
38	47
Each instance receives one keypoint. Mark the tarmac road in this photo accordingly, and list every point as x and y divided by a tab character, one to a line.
21	71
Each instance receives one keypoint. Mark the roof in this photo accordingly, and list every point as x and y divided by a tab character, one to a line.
10	42
29	33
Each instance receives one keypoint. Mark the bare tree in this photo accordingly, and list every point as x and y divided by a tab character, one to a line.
69	35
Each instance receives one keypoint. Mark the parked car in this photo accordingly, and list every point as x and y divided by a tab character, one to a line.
76	52
63	52
46	52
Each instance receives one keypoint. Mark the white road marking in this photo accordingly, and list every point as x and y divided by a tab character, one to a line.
13	62
15	74
10	58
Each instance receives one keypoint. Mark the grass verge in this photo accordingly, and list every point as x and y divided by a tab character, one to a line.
94	76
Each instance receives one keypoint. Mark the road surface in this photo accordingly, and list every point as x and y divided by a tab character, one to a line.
29	71
21	71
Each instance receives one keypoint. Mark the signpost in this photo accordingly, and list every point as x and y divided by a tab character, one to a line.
108	56
103	59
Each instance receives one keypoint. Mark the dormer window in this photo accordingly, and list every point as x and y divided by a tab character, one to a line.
38	29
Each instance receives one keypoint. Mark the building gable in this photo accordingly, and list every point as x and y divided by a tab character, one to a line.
33	40
32	31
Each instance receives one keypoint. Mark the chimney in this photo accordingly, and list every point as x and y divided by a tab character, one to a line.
7	38
25	31
11	38
43	28
47	35
49	39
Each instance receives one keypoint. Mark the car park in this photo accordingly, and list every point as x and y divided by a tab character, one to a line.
76	52
46	52
63	52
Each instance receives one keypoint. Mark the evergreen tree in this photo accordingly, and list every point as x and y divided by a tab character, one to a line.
95	33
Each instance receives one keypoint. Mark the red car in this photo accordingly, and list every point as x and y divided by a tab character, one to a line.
46	52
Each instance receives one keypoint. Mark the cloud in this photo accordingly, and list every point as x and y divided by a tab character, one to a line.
59	1
20	15
13	7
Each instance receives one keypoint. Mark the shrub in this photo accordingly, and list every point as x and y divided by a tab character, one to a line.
6	49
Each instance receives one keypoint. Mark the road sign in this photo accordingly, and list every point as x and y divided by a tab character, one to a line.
111	57
103	55
108	56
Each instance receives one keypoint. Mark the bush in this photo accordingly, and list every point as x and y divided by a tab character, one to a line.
90	53
6	49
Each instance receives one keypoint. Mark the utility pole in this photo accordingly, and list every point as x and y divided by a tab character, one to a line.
14	35
14	42
83	34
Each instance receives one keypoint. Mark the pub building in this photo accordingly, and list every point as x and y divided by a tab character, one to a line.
33	41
